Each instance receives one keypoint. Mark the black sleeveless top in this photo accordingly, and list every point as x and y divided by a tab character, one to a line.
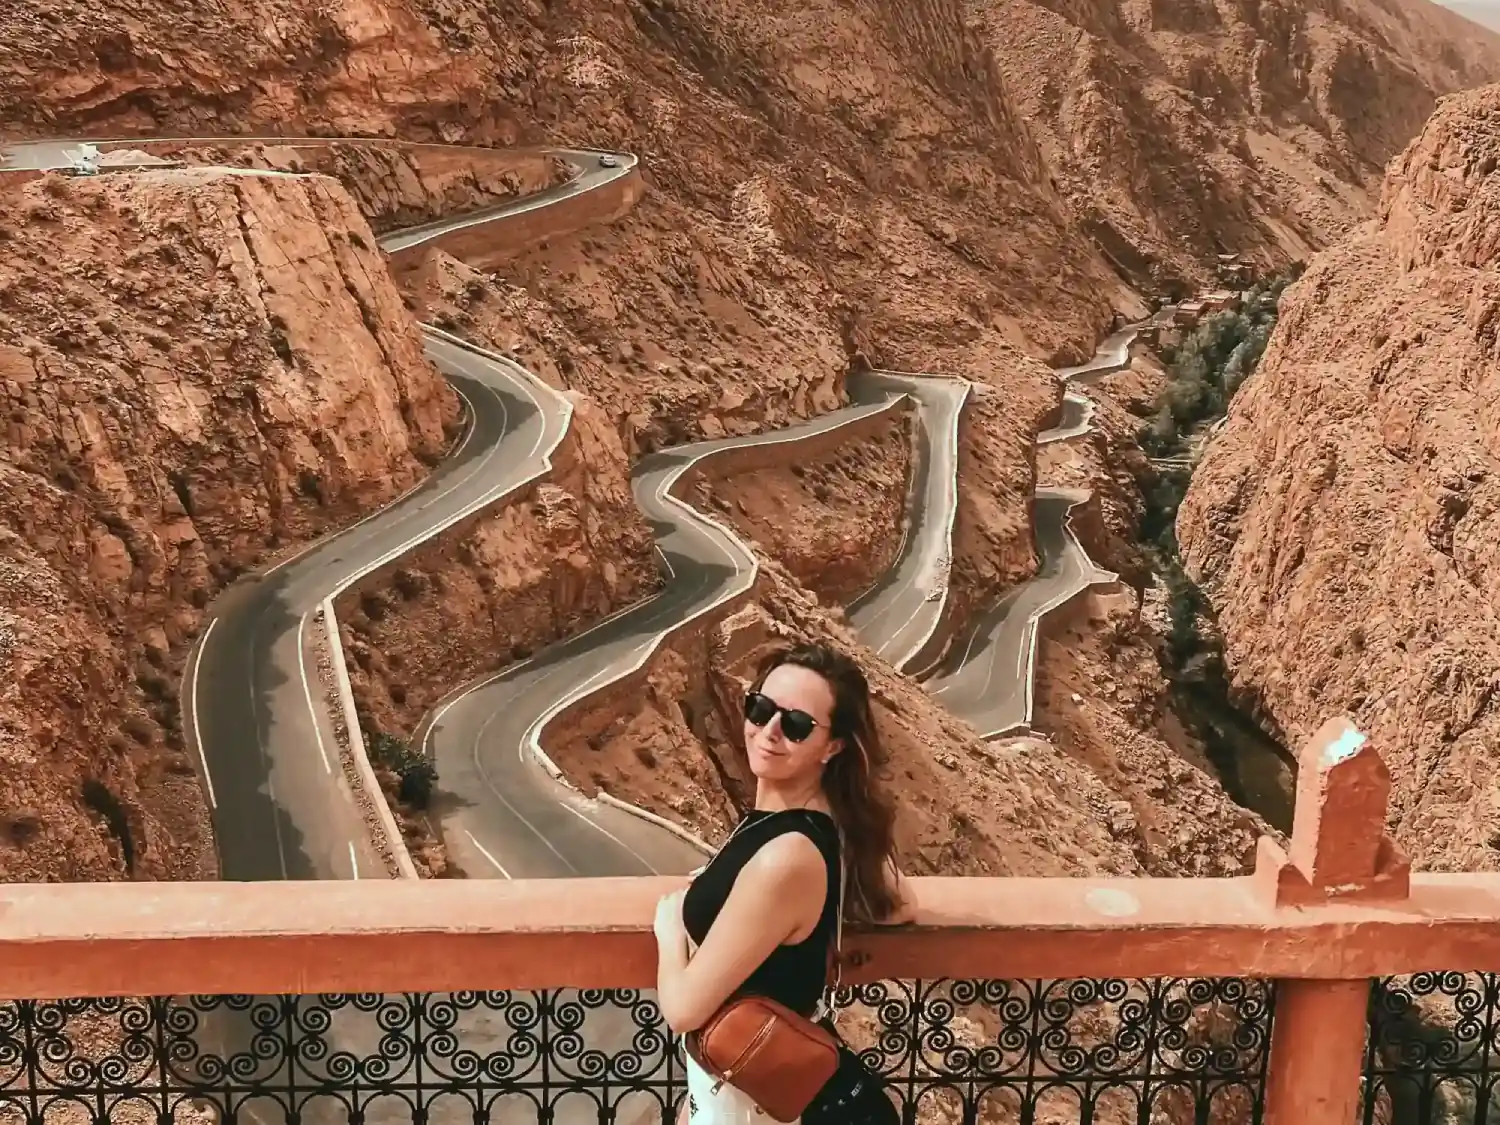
793	975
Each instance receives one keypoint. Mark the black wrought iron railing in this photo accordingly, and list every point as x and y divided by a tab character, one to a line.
1168	1050
1433	1052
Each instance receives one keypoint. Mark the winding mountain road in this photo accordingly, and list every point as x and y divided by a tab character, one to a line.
281	806
988	676
499	810
1078	413
899	616
1112	355
280	810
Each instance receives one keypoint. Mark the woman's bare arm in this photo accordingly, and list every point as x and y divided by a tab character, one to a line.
776	897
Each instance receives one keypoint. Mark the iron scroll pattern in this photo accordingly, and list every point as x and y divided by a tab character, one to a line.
1116	1049
1432	1055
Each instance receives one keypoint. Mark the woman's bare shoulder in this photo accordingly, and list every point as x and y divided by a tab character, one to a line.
789	859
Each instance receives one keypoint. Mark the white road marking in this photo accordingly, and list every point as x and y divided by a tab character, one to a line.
671	574
484	851
592	823
208	780
307	693
353	862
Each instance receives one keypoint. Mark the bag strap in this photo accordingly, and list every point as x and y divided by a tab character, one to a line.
833	977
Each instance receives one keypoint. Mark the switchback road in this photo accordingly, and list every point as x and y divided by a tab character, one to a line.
899	616
280	804
503	815
281	807
988	675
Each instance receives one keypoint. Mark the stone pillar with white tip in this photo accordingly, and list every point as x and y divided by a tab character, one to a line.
1339	852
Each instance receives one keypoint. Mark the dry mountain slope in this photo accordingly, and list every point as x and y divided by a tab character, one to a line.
830	143
824	179
1344	522
1186	128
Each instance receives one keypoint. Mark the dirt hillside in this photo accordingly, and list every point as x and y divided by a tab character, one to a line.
1344	521
1181	129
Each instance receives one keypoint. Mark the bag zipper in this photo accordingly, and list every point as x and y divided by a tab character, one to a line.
755	1044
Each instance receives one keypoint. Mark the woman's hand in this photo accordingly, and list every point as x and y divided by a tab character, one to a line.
670	932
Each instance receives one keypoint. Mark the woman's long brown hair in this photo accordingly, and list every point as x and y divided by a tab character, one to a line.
861	807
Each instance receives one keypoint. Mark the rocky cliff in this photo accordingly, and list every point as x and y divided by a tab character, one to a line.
834	520
1344	521
1180	129
202	369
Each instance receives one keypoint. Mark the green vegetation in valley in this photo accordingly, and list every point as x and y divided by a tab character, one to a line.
1186	604
1210	365
1205	371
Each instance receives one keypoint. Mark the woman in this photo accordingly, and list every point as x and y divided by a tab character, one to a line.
761	916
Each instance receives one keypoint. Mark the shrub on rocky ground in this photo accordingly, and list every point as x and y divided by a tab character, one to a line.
415	774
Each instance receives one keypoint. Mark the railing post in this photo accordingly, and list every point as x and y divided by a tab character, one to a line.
1317	1052
1339	852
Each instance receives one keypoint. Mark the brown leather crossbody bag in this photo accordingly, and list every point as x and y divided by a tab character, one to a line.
776	1057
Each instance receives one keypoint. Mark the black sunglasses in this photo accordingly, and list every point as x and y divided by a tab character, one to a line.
796	726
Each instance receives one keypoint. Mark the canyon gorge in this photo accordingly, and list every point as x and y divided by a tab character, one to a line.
423	417
1348	557
211	365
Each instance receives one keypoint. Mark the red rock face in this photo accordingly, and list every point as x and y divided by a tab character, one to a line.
1344	521
834	520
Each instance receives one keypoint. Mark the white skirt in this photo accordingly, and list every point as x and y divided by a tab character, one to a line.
728	1107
